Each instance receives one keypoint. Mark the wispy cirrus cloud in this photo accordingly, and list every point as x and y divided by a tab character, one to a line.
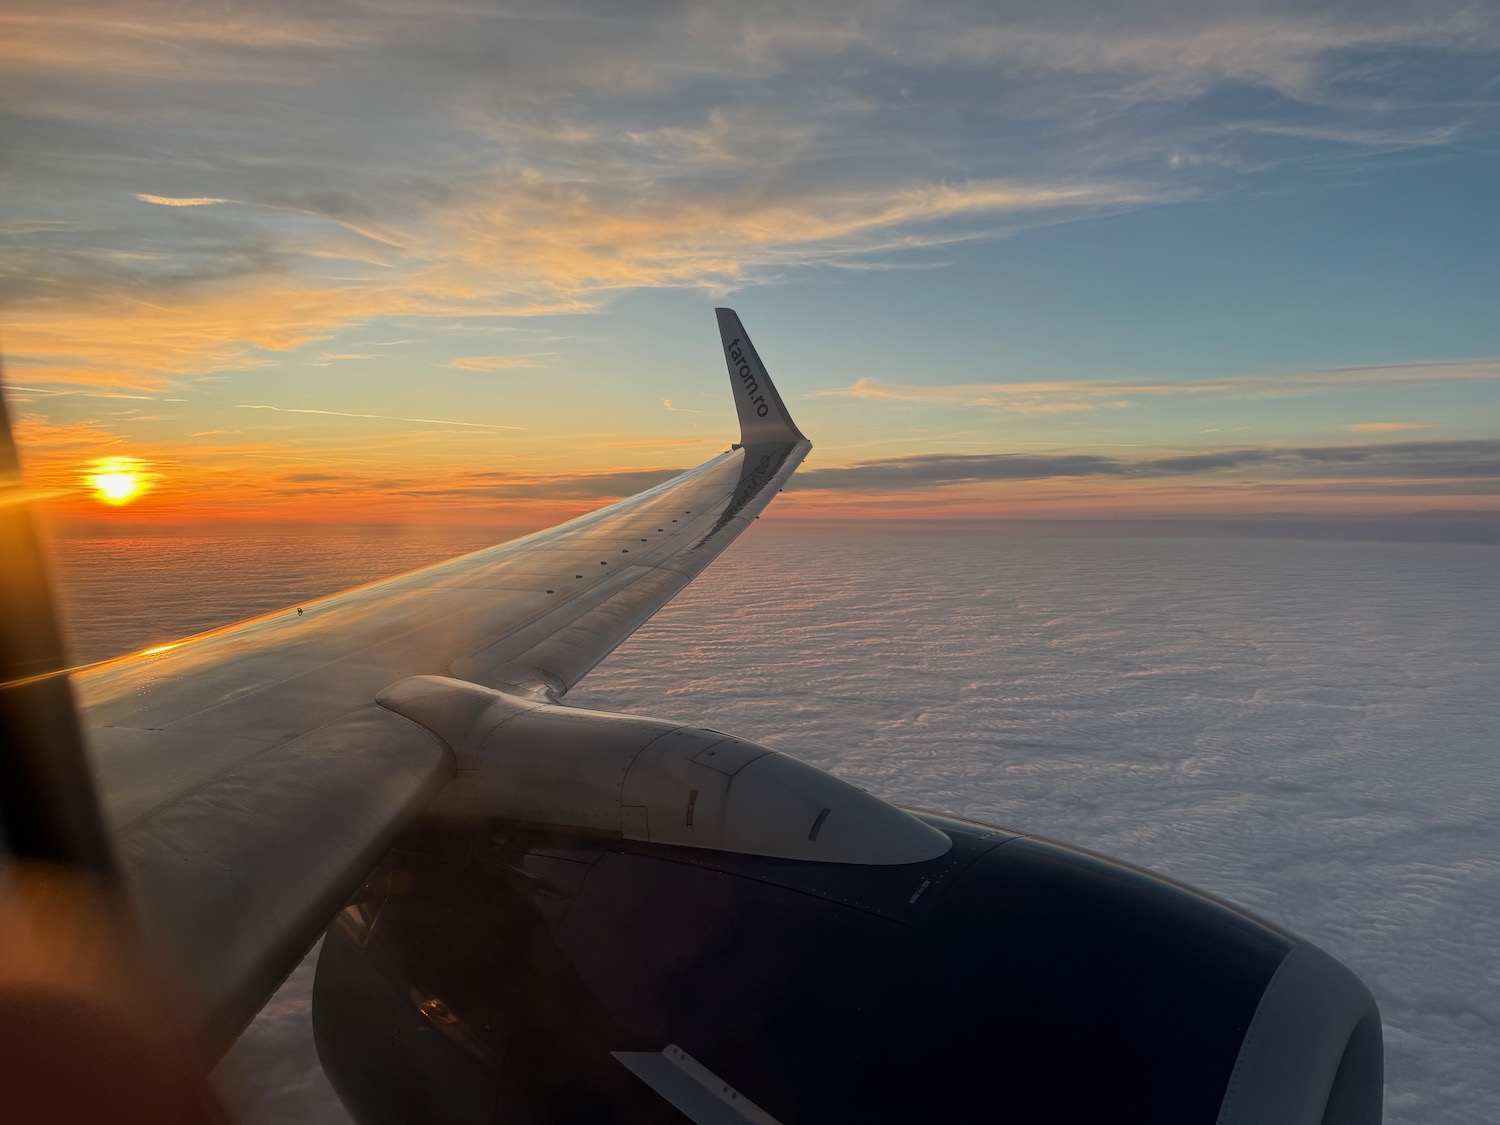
1062	396
574	243
328	359
1386	427
376	417
1050	397
153	43
499	362
521	485
524	248
174	201
711	152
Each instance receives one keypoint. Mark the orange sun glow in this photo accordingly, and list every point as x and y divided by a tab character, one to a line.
118	480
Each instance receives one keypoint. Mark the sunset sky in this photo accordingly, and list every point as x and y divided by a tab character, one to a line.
456	262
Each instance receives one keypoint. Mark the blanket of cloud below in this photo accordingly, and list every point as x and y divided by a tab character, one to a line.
1307	728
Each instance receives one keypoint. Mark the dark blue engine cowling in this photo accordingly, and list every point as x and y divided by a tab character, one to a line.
488	973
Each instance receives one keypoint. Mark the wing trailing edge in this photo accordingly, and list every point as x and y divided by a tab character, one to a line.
763	416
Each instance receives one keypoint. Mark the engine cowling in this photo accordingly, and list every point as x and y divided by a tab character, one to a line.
496	968
593	772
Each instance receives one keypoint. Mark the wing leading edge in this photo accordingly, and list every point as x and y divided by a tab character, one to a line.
251	781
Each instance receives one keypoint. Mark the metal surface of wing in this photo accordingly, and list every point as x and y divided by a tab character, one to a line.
251	782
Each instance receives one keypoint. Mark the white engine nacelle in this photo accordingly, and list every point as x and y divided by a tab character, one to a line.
648	779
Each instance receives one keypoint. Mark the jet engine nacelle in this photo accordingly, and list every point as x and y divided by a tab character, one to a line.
524	957
592	772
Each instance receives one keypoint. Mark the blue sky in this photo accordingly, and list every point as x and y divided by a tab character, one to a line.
1143	232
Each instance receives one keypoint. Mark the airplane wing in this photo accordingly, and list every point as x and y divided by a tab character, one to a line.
248	775
598	916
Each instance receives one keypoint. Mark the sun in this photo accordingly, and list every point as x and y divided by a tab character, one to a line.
117	488
119	480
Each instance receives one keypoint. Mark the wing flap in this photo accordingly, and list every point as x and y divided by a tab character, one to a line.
236	879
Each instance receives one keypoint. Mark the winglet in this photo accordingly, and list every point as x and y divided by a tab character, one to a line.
763	416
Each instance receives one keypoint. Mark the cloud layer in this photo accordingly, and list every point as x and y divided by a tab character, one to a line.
1304	728
1399	462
